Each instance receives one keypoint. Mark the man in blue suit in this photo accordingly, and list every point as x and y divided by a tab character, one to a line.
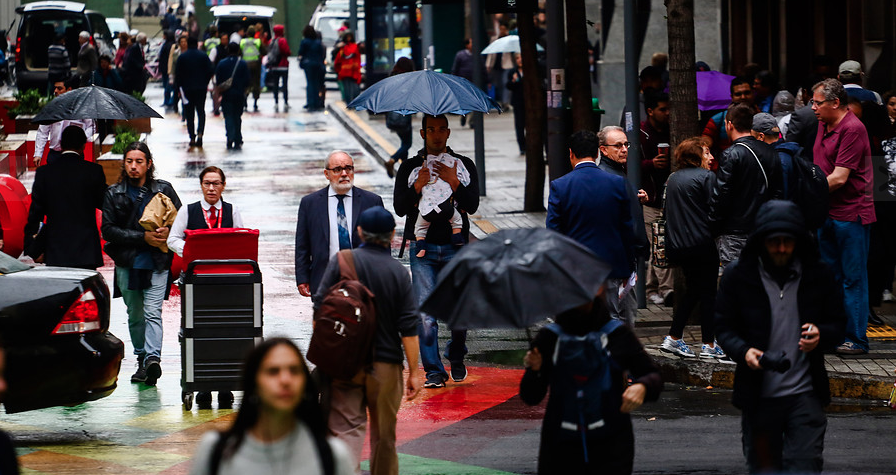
192	72
593	207
327	221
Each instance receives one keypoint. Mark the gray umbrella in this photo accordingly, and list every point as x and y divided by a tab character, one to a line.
94	102
515	278
424	91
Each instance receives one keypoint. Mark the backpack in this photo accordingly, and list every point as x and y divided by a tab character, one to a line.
582	379
345	323
274	54
808	188
398	122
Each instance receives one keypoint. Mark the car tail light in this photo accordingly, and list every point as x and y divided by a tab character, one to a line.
19	49
82	317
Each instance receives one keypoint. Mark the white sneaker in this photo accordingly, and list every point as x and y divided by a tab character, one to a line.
888	296
677	347
712	351
655	299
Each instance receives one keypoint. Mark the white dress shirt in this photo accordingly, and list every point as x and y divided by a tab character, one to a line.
52	134
178	230
332	202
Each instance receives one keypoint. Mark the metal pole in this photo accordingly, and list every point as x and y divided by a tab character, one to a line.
632	123
353	17
390	32
478	76
427	40
558	156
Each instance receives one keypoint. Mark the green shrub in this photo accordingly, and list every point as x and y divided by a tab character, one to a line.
124	136
139	96
30	102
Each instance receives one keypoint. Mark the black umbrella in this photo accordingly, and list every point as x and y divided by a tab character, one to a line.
515	278
94	102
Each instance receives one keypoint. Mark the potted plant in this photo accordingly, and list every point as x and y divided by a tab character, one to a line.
30	102
111	161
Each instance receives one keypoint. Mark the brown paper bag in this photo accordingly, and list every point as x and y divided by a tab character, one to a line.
159	213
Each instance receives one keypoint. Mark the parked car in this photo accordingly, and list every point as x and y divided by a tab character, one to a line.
328	21
39	25
116	26
55	325
230	18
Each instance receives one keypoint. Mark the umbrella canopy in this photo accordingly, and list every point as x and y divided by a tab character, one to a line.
93	102
713	90
515	278
424	91
507	44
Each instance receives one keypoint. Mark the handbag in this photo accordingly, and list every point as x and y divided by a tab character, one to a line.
658	256
219	90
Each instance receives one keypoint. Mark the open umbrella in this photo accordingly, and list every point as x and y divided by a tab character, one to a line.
507	44
93	102
513	279
424	91
713	90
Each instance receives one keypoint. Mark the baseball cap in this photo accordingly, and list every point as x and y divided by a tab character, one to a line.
850	67
765	123
376	220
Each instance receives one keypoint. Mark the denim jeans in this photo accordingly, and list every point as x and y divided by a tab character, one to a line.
233	112
425	271
144	312
406	137
844	246
169	91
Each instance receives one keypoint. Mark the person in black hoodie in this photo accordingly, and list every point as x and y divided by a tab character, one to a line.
778	310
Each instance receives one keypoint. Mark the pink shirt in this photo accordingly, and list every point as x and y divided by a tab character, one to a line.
847	146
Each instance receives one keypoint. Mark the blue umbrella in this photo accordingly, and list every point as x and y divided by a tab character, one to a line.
424	91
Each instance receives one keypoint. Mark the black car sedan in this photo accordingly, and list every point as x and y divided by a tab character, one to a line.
54	322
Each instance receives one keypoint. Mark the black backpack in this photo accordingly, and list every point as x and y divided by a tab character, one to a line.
273	57
398	122
582	378
808	188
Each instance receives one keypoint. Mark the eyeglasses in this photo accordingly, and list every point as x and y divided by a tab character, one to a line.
212	184
618	145
813	102
339	170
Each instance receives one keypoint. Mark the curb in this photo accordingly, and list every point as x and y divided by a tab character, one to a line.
720	375
355	125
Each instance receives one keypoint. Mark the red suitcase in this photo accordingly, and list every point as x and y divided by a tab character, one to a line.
221	243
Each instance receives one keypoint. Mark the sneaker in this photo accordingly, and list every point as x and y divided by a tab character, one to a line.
458	372
712	351
874	319
850	348
655	299
153	371
888	296
677	347
434	381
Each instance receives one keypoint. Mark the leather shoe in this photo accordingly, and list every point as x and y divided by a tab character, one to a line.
874	319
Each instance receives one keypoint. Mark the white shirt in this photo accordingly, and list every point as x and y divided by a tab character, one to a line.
178	230
52	134
332	202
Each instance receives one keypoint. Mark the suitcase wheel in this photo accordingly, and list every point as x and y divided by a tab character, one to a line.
188	400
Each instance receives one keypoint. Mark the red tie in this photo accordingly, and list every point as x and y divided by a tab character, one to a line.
213	217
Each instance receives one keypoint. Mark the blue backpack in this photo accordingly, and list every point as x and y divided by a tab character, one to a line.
582	379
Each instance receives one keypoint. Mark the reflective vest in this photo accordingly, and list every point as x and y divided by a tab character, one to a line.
210	45
250	47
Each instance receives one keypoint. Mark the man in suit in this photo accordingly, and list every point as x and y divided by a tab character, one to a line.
68	192
803	125
192	73
88	59
233	99
594	208
134	65
327	221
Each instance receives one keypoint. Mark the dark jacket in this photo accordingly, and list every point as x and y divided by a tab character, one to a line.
593	207
134	75
110	80
164	53
802	129
225	70
743	312
313	232
193	70
396	309
652	178
615	451
740	187
121	228
787	152
687	209
88	62
68	192
405	198
311	52
642	244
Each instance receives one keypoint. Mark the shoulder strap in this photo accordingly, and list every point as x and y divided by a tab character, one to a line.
235	64
611	326
757	161
347	265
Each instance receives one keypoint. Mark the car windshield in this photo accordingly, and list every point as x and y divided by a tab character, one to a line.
329	27
40	29
9	265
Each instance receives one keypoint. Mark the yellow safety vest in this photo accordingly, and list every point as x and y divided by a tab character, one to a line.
250	47
210	45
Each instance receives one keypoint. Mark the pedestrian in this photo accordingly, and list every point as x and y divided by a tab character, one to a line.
435	197
134	65
463	67
633	380
59	66
715	130
765	87
252	52
49	136
217	55
327	220
233	99
377	388
650	81
211	40
882	255
438	246
401	124
779	309
88	59
176	50
689	244
141	268
278	67
655	168
124	40
193	71
497	67
192	26
749	174
106	76
279	427
348	68
164	55
843	152
518	101
311	60
614	147
850	75
803	125
765	129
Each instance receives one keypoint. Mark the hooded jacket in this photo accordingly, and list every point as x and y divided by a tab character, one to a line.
743	311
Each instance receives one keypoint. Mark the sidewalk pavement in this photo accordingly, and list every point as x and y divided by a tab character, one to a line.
865	377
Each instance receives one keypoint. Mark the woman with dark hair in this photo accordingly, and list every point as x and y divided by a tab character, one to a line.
689	244
348	68
279	428
400	123
311	60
